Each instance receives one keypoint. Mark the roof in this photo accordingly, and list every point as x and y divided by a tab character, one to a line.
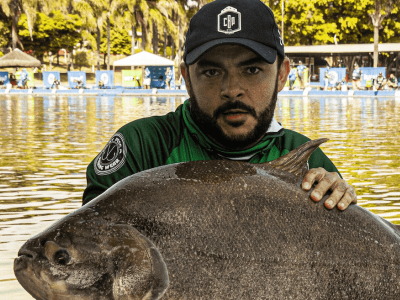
341	49
17	58
144	58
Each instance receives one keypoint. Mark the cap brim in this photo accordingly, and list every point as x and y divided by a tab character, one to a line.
268	53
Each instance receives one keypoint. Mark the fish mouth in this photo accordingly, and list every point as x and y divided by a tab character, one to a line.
24	258
27	277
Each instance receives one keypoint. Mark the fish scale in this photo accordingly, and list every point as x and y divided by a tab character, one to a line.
215	230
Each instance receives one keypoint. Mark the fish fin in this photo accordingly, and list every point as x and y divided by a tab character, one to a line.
296	161
140	272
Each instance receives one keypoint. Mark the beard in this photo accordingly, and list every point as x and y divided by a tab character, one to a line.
209	125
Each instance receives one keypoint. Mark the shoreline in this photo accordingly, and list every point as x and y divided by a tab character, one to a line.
183	93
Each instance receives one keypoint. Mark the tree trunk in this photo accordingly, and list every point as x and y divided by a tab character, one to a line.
98	47
155	38
376	42
72	59
108	41
376	18
172	49
180	47
15	18
165	42
133	40
143	37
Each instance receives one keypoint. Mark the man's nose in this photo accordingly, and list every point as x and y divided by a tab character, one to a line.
231	87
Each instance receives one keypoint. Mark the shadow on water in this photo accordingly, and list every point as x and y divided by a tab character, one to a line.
47	142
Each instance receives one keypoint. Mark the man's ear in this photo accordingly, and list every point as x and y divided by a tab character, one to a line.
283	73
185	74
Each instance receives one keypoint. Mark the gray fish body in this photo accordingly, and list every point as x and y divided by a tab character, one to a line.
212	230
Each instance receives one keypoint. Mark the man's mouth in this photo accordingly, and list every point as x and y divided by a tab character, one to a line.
235	114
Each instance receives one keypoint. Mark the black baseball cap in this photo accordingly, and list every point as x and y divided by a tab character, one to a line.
249	23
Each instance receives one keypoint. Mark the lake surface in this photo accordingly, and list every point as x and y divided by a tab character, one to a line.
47	142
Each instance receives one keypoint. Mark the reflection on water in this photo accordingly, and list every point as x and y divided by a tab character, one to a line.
47	142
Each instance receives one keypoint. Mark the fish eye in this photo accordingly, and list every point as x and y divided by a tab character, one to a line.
62	257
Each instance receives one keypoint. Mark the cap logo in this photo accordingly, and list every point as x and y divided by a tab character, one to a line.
229	20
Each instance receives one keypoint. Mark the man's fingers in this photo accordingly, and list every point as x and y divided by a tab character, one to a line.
330	181
349	197
312	176
339	193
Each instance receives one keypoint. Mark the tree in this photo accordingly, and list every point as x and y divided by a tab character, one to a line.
50	33
383	9
4	33
93	12
15	8
119	40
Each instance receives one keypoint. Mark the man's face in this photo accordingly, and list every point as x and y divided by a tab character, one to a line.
233	94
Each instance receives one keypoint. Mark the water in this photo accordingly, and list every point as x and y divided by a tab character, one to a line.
47	142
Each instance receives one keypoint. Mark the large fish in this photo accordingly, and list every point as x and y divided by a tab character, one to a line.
214	230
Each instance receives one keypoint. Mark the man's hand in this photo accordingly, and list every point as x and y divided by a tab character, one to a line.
342	193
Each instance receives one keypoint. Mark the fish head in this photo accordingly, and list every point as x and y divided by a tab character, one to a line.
91	259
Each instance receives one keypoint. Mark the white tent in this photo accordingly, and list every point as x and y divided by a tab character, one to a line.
143	58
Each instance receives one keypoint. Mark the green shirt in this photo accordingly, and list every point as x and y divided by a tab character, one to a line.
155	141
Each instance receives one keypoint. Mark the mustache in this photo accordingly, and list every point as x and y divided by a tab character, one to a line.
234	105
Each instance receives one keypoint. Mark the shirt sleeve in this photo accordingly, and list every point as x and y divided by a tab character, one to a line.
140	145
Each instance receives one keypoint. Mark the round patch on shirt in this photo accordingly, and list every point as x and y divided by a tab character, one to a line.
112	157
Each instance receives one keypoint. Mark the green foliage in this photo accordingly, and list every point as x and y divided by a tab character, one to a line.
82	59
161	50
314	22
51	33
120	41
5	27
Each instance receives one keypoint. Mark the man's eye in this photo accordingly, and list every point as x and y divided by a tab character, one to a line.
253	70
211	72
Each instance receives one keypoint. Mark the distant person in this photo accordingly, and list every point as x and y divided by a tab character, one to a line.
138	81
23	79
162	84
356	77
326	78
392	82
168	77
17	75
147	78
300	73
292	77
343	85
380	82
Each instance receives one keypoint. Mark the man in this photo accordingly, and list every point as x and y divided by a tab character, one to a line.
161	83
392	81
343	85
233	71
138	81
326	78
380	82
292	77
147	78
23	79
300	72
356	77
168	77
